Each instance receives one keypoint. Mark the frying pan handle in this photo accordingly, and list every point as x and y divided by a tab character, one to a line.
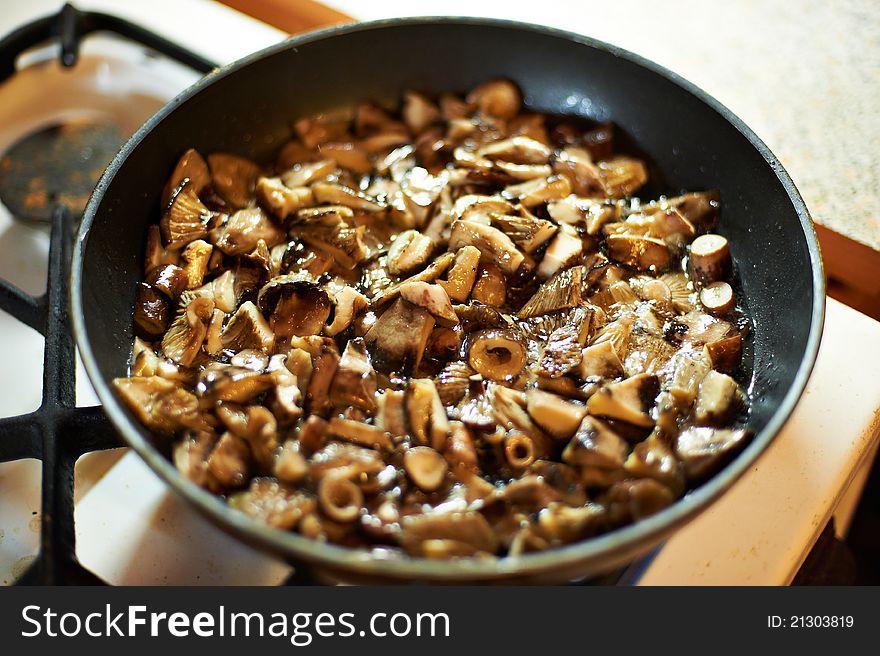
70	25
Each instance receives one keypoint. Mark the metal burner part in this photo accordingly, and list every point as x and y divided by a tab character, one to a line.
59	165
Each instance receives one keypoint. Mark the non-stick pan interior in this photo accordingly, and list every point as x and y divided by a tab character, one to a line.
249	110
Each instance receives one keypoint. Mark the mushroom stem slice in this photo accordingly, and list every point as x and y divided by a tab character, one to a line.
710	258
630	400
355	380
717	298
425	467
497	354
360	433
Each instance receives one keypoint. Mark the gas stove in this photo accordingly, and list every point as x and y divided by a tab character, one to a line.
129	529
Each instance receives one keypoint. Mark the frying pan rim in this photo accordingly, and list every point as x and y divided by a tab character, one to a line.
361	562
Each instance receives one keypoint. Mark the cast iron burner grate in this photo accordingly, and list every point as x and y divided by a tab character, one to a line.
58	432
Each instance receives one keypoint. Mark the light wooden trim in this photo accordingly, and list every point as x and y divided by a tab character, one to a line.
291	16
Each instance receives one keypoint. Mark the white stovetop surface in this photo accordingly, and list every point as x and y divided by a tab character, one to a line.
131	530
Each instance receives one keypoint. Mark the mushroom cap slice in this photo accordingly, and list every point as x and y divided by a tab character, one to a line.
433	298
718	399
186	218
640	252
425	467
355	381
564	290
160	404
467	527
494	245
595	444
629	400
243	230
233	178
702	449
560	418
219	382
398	339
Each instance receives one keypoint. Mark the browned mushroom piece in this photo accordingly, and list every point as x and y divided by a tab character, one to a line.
152	312
242	230
194	261
409	252
700	208
497	98
621	176
219	382
717	298
191	166
425	467
718	399
323	372
398	338
601	360
462	274
490	286
432	298
426	415
560	418
290	465
595	444
629	400
186	218
516	150
418	112
355	380
233	178
247	329
495	247
528	232
565	290
160	404
347	304
539	190
710	258
640	252
725	354
295	306
339	239
654	459
337	194
702	449
280	199
467	527
391	413
273	503
229	462
632	500
497	354
169	279
359	433
577	165
184	337
563	250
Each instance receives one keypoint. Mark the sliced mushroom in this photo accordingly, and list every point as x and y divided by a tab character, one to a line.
577	165
703	449
247	329
184	337
468	527
565	247
595	444
710	258
229	462
160	404
186	219
432	298
233	178
426	415
490	287
558	417
631	500
194	260
323	372
562	352
653	459
433	271
219	382
340	499
640	252
621	176
274	504
409	252
497	354
355	380
699	208
565	290
337	194
341	240
305	173
495	247
497	98
539	190
391	414
359	433
462	274
244	229
630	400
516	150
471	206
398	339
725	354
689	370
191	166
600	360
528	232
280	199
420	191
425	467
295	306
348	155
169	279
348	303
718	399
452	382
590	213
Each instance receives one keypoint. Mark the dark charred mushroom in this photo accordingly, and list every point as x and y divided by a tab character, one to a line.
169	279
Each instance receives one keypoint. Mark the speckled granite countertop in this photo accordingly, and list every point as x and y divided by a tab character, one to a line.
803	74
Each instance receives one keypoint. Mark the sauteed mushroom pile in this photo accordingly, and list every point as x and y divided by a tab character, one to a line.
447	331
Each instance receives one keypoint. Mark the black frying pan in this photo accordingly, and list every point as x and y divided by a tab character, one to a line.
693	143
